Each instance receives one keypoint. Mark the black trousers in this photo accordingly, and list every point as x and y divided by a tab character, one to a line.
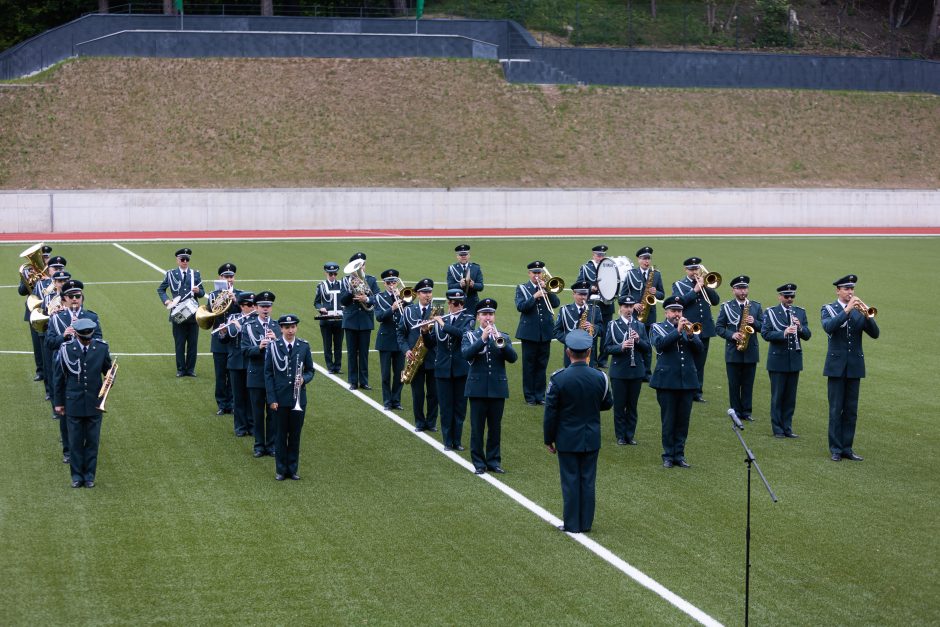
626	396
186	340
783	400
332	334
357	356
287	426
486	414
741	387
578	477
607	314
843	413
84	434
223	384
675	409
700	359
453	404
47	364
392	363
241	402
648	356
37	351
534	365
263	421
424	388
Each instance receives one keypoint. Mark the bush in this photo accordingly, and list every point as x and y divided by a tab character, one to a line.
773	17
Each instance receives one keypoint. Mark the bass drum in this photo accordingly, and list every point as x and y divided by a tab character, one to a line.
608	280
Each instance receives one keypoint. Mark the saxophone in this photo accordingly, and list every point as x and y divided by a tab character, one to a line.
418	352
648	299
744	328
583	320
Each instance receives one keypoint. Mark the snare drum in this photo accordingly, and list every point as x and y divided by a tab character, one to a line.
183	311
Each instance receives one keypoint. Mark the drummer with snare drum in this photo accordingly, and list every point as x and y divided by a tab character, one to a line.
179	292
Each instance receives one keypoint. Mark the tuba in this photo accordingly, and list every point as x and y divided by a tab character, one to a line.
34	268
205	317
357	281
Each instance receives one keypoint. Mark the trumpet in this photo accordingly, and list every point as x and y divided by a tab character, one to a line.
711	280
298	383
106	386
499	341
694	327
870	312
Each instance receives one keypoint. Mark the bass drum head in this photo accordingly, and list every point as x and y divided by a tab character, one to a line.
608	280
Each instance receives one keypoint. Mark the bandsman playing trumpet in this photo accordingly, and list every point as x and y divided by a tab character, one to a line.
231	336
259	332
389	307
410	330
81	363
697	301
327	305
466	275
182	283
785	328
588	274
578	315
536	330
644	282
675	378
288	368
450	369
844	322
739	319
627	343
488	351
224	398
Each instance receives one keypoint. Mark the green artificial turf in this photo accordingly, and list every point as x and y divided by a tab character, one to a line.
185	526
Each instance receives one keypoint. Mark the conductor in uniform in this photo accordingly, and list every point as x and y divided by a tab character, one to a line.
738	319
224	398
79	368
578	315
844	323
785	328
572	428
674	379
288	368
697	301
628	345
488	350
536	330
358	302
466	275
327	305
179	284
642	281
588	274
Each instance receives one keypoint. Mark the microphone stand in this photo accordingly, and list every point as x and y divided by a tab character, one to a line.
750	460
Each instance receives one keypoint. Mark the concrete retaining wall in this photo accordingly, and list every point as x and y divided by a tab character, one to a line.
372	209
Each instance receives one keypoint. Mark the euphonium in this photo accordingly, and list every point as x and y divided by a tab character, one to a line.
357	281
33	270
744	328
870	312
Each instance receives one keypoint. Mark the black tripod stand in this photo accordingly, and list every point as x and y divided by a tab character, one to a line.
750	460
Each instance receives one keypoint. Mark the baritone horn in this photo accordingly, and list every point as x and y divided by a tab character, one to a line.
35	267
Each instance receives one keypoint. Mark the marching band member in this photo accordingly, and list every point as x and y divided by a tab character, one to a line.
224	398
696	301
23	290
466	275
256	335
576	397
741	365
230	336
627	343
450	368
588	274
578	315
785	328
675	378
358	322
423	385
488	351
49	291
288	368
81	362
183	282
535	330
388	311
845	364
327	304
641	281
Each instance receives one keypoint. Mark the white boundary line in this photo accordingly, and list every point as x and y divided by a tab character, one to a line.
139	258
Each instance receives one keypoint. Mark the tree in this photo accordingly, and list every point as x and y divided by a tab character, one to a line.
933	31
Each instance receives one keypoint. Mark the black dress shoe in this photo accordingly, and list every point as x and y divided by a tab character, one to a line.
419	429
530	403
258	454
447	448
189	374
398	408
279	477
460	448
631	441
386	407
432	429
77	484
835	457
295	477
366	387
683	464
479	471
48	398
667	463
621	442
353	386
562	528
779	435
790	435
66	459
698	398
498	470
748	418
221	412
38	377
853	457
270	452
179	374
89	484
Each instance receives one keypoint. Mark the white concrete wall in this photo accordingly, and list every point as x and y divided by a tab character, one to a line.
371	209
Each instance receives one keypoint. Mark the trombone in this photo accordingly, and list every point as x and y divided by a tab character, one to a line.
552	285
711	280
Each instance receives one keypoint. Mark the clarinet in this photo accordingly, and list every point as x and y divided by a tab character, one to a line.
630	333
796	335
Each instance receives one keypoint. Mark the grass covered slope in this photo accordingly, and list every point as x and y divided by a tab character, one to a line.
185	526
158	123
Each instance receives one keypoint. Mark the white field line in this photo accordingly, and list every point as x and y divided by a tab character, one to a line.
141	259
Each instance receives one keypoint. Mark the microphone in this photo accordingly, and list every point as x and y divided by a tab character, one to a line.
735	419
